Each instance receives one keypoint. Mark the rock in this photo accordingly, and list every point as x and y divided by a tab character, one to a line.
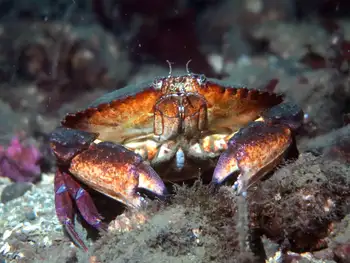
14	191
30	213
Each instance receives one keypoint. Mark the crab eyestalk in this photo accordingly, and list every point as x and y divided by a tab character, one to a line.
176	114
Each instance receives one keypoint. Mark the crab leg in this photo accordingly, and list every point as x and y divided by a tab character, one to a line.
84	203
64	207
256	149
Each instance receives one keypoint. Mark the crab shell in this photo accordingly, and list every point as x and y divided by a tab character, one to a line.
133	118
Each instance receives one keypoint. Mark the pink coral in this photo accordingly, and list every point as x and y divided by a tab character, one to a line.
20	162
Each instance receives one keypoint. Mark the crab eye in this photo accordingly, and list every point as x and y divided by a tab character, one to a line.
201	79
157	83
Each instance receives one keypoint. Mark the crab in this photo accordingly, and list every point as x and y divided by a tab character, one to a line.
171	129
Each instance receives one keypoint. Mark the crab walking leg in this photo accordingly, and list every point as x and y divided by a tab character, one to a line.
84	203
64	207
256	149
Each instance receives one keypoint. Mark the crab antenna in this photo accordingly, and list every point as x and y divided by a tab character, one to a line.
170	68
187	69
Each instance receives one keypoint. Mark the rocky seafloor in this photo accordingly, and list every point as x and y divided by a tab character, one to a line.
299	213
303	204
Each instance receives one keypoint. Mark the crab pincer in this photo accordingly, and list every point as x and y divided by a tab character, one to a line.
258	148
106	167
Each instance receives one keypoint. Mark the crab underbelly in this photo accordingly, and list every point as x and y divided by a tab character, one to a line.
182	160
180	168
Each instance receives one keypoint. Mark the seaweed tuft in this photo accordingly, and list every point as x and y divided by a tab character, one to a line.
300	202
197	226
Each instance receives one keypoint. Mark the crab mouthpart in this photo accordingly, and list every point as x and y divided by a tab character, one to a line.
182	113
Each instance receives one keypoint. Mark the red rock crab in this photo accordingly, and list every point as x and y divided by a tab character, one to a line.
171	129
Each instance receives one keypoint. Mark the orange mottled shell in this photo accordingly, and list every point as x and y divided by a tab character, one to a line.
129	112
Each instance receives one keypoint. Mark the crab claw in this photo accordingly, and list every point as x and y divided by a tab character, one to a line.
258	148
253	152
117	172
106	167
